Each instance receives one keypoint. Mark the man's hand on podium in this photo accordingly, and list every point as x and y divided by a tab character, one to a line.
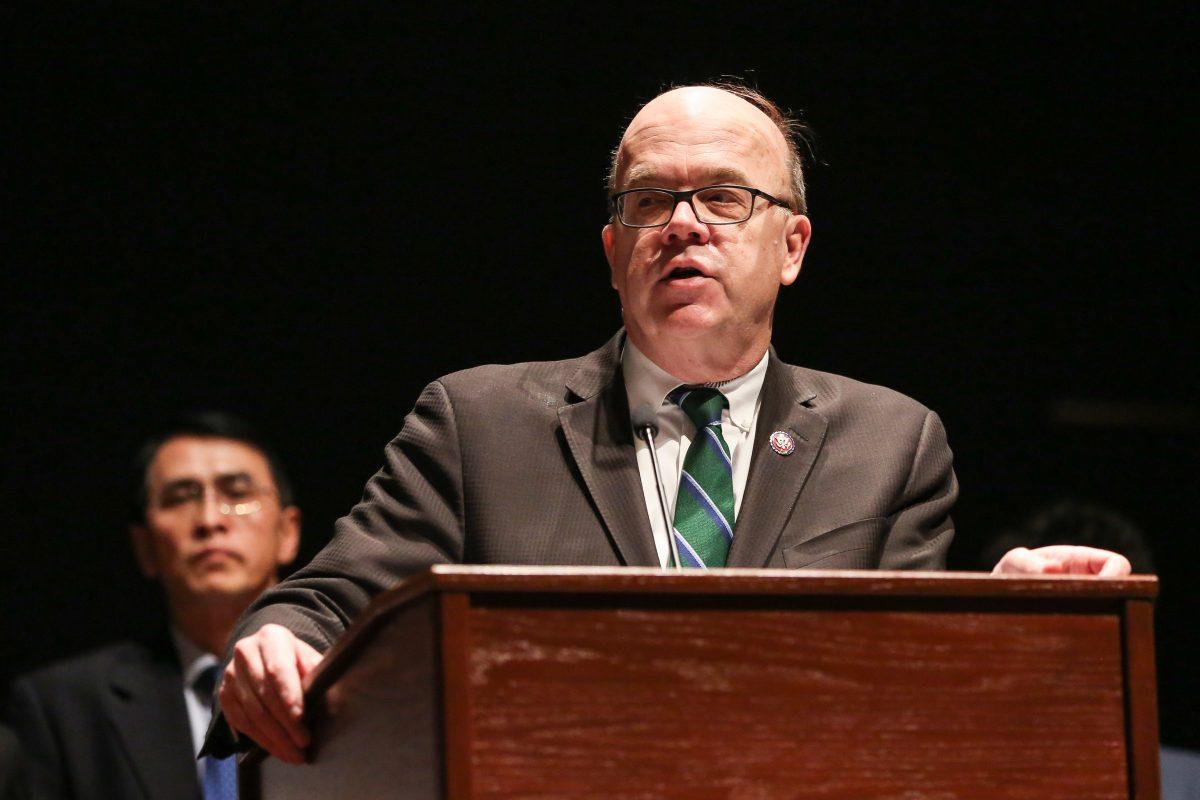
262	693
1063	559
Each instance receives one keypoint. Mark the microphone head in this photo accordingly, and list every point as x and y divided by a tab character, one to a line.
643	417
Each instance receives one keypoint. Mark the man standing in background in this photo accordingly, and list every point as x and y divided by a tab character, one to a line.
215	520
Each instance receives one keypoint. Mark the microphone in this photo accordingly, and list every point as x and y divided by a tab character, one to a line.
645	424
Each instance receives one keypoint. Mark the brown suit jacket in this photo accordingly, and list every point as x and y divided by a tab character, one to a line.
535	464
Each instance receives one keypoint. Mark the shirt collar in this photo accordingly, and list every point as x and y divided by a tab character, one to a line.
648	383
192	658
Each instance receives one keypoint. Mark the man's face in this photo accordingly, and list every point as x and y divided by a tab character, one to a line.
214	529
687	279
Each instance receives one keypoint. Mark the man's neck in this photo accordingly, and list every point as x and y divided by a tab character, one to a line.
696	361
207	622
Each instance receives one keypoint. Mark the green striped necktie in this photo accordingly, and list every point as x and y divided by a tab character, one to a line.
704	506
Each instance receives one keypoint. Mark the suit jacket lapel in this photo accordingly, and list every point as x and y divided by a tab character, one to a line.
147	708
598	432
774	483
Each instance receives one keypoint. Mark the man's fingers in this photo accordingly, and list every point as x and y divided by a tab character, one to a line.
307	658
1116	566
1059	559
249	683
257	720
238	716
279	692
1023	561
1008	561
235	715
1081	560
231	707
262	727
267	731
283	692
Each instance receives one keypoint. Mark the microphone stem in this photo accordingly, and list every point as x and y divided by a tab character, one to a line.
648	435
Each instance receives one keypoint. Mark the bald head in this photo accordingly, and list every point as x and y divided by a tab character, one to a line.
717	115
698	294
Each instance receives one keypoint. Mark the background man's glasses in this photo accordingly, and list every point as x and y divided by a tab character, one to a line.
725	204
235	496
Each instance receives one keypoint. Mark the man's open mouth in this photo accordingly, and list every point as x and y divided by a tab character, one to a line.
681	273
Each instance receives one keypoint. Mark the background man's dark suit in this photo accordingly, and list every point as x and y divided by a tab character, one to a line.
109	724
13	781
535	464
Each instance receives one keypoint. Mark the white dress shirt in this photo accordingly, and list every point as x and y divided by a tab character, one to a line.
193	660
646	382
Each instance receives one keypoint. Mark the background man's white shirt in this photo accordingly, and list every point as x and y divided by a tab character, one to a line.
193	661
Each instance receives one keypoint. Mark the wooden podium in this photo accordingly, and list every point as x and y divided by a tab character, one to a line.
517	682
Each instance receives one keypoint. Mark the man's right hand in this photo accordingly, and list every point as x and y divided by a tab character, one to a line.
262	693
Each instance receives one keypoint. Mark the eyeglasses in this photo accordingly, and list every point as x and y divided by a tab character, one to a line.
236	496
725	204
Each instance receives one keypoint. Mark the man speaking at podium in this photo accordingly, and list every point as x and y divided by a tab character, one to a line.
762	464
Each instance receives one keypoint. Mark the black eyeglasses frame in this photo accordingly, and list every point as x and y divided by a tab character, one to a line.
685	196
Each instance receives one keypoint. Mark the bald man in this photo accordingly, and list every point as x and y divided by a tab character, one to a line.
764	464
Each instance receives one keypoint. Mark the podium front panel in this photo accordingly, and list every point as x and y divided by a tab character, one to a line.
758	697
491	682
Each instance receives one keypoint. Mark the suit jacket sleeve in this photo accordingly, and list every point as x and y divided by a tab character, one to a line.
921	528
410	518
43	760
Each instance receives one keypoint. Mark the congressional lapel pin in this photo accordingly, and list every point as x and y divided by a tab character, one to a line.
783	443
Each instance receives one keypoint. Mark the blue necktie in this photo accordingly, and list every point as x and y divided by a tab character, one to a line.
220	774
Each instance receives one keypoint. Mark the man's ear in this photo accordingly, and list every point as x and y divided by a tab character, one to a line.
796	237
606	236
289	535
143	550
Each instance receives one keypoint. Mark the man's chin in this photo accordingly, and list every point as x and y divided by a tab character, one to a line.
688	321
682	325
223	587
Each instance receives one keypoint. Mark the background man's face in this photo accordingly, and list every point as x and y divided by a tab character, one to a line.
197	552
686	278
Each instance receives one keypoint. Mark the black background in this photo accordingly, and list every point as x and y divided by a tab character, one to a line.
305	215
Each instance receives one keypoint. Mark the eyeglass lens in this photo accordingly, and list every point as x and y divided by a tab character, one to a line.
236	495
714	205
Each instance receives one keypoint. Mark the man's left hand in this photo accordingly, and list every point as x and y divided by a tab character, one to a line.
1063	559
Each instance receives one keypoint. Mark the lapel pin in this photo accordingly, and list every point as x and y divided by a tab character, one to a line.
783	443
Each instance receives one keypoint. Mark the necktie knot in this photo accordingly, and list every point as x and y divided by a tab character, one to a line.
702	405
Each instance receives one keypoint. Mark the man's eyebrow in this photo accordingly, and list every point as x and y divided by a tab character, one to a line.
178	483
727	175
224	477
642	175
639	176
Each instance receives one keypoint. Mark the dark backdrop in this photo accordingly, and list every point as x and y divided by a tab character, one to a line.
304	216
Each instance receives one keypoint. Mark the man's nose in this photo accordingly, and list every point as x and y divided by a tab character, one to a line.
684	227
211	519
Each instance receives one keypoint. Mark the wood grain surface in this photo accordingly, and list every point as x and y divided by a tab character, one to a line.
773	703
527	682
377	727
1141	700
841	583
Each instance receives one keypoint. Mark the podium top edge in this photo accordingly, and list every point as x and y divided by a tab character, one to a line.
547	581
731	581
